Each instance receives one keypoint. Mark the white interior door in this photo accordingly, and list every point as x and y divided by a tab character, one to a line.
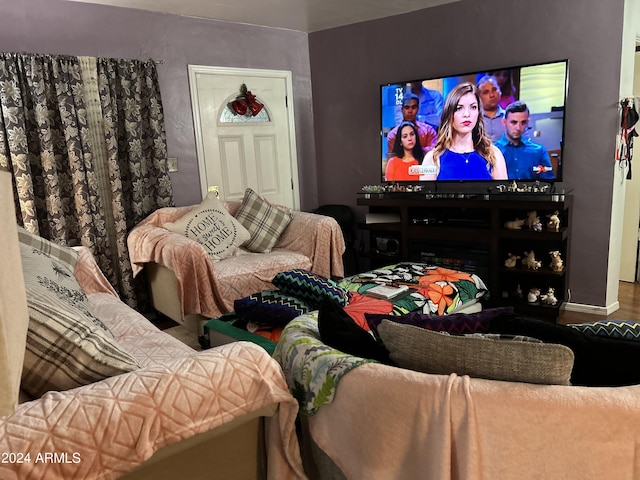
240	151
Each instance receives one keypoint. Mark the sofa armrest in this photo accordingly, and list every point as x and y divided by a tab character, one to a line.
109	427
89	275
197	283
319	238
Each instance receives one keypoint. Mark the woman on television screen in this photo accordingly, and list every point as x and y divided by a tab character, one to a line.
463	150
407	153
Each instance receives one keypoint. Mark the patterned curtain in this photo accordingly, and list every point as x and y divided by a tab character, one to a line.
133	122
46	142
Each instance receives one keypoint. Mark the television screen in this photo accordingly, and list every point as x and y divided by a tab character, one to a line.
521	110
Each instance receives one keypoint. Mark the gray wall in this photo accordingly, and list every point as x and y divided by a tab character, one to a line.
348	65
61	27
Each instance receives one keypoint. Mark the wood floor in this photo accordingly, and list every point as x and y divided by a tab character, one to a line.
629	299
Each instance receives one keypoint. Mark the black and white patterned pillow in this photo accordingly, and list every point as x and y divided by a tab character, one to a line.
67	346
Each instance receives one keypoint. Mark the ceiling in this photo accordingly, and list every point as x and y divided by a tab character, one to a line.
301	15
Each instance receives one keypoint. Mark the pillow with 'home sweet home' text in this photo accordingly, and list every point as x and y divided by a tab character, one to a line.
213	227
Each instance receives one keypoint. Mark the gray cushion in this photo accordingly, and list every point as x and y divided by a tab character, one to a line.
264	221
477	356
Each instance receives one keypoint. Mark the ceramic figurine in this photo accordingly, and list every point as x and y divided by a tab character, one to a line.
510	262
557	265
554	221
532	219
516	224
549	298
532	296
529	261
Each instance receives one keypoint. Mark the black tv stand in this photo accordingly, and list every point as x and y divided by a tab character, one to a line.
468	230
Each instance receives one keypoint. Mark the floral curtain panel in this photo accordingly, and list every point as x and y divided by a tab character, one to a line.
136	148
45	142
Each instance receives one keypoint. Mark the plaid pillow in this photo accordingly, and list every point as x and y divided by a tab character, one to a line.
310	287
65	255
67	346
264	221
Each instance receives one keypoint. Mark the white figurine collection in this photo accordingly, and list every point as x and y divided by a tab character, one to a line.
532	222
528	259
535	295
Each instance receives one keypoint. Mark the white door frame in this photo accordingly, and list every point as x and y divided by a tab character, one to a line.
194	70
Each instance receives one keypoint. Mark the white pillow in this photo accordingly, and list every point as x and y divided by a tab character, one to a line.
211	225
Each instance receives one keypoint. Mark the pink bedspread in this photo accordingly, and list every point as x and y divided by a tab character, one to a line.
109	427
102	430
310	241
387	422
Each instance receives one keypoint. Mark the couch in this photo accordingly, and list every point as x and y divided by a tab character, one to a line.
362	418
189	287
221	413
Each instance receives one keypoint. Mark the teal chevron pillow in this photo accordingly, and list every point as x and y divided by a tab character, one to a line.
310	287
611	328
269	308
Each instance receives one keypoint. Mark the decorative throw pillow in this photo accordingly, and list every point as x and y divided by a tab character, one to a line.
264	221
65	255
212	226
338	330
66	345
309	286
269	308
599	361
476	355
458	323
611	328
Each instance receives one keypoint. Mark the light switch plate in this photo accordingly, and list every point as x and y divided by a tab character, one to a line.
172	162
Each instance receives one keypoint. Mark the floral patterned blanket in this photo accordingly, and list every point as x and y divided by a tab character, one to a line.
434	290
312	369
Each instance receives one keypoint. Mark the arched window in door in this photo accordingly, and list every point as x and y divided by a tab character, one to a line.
244	108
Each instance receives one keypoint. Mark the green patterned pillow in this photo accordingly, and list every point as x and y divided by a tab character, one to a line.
264	221
310	287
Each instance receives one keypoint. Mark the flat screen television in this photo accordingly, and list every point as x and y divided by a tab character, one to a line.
542	87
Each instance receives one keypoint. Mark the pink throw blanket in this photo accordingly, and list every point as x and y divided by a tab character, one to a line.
200	287
386	422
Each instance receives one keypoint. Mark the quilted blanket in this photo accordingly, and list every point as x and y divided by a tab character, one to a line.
105	429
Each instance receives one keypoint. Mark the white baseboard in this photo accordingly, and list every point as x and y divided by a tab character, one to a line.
592	309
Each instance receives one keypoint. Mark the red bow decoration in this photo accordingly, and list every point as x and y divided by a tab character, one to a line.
245	103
